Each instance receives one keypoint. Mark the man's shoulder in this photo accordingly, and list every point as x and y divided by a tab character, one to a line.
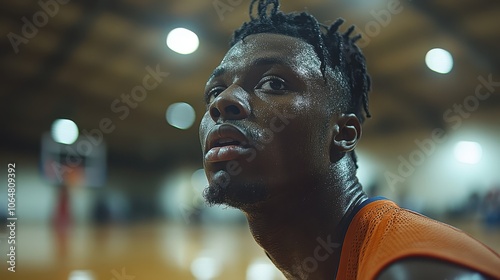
427	268
391	236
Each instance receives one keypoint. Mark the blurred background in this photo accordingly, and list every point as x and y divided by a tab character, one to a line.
100	115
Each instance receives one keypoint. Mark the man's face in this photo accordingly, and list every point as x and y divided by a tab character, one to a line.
268	125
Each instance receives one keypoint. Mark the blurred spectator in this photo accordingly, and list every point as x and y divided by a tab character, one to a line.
491	207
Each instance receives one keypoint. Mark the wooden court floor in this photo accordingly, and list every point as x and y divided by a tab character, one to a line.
150	251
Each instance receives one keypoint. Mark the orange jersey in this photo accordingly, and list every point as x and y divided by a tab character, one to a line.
381	233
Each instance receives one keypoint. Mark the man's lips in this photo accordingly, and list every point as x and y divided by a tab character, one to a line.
225	142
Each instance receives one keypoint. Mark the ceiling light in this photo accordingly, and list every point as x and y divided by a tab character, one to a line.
468	152
182	40
64	131
199	180
439	60
81	275
260	269
205	268
180	115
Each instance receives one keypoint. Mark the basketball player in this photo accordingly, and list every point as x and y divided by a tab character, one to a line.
284	112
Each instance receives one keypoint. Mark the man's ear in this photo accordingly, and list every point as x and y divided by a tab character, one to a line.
346	134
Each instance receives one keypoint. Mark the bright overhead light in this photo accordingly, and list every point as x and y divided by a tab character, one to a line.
439	60
64	131
199	180
205	268
468	152
260	269
182	40
180	115
81	275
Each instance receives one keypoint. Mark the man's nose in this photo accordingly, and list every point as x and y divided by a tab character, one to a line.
230	105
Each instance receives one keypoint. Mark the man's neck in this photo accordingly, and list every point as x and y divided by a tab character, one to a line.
302	233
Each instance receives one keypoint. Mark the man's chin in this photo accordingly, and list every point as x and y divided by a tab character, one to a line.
235	195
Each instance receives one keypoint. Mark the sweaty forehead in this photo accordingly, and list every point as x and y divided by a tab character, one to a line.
293	52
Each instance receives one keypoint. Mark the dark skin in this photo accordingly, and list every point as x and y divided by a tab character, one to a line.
273	127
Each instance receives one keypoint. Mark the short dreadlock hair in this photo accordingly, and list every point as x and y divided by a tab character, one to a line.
334	49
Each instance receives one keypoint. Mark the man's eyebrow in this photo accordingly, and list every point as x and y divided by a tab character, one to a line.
217	72
257	62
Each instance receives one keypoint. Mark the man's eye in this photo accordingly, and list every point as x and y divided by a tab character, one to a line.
213	93
272	83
